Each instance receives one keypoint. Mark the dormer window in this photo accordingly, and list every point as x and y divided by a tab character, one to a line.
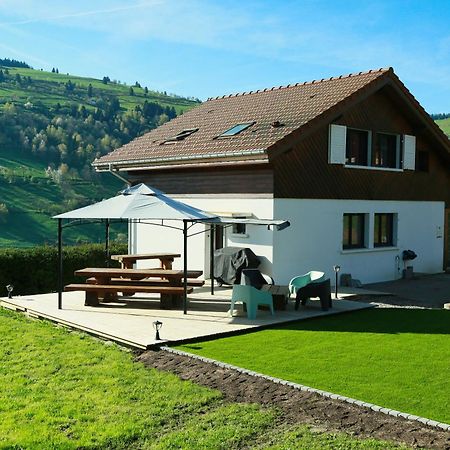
180	136
236	129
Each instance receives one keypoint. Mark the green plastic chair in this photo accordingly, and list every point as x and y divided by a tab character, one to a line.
252	297
302	280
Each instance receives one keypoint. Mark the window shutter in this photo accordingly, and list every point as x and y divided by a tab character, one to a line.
409	152
337	144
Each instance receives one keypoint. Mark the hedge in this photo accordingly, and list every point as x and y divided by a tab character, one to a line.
35	270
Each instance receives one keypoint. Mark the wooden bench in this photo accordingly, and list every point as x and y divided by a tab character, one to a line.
170	295
147	282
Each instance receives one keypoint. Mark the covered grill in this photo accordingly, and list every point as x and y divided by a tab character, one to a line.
229	262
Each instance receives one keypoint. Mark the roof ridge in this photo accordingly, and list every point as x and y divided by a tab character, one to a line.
340	77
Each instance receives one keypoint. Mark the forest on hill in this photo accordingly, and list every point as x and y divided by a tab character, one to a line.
52	126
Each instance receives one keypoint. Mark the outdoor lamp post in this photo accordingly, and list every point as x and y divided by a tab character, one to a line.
9	288
336	269
157	326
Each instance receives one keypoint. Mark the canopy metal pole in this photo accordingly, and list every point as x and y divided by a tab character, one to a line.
60	264
212	232
185	237
107	242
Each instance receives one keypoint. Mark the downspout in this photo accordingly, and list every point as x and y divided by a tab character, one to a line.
120	177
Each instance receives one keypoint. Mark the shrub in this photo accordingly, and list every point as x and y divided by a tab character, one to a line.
35	270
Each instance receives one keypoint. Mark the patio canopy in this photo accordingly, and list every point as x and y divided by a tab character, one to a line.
138	202
142	202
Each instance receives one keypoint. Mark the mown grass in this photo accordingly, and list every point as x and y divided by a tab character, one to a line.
63	390
397	358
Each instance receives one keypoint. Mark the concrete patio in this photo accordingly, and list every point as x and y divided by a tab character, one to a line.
130	320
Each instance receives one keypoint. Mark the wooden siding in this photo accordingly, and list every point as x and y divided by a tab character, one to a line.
257	179
304	171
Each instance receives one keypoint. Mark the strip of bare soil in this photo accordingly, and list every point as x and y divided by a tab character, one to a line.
299	406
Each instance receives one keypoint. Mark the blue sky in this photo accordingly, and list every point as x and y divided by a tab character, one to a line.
208	48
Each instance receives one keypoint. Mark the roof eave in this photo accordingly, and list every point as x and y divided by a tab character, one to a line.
209	158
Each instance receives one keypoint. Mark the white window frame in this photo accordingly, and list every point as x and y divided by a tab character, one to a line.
337	148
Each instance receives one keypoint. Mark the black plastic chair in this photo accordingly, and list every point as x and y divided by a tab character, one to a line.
321	289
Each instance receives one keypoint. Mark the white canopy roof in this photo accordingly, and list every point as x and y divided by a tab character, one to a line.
142	202
138	202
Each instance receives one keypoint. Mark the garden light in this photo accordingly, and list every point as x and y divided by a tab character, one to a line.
336	269
157	326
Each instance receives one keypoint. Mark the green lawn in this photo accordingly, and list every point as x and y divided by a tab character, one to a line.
397	358
62	390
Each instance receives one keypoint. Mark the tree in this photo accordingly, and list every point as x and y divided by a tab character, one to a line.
137	84
131	91
2	76
53	70
69	86
89	92
106	80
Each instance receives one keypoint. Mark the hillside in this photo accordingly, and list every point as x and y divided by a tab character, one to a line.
51	128
445	125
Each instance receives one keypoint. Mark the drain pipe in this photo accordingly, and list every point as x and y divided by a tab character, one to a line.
120	177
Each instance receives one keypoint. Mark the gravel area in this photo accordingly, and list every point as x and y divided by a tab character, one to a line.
299	406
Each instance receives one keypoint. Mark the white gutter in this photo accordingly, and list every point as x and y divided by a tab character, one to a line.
123	164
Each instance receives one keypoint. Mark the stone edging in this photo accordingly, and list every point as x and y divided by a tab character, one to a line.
301	387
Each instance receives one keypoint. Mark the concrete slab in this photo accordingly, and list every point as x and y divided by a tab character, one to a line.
130	320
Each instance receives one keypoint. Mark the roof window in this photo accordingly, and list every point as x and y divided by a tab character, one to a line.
180	136
235	130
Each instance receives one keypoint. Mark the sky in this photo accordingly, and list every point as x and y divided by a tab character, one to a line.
206	48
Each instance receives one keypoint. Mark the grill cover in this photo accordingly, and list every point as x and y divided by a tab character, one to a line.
229	262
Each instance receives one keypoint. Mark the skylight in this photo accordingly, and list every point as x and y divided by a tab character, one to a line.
235	130
181	136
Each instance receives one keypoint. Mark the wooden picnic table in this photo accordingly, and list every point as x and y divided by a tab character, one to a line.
104	275
127	261
110	281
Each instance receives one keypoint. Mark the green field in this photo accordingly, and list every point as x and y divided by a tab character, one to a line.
65	390
445	125
44	82
32	199
396	358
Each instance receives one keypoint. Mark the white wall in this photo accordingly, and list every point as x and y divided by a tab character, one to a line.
314	239
151	238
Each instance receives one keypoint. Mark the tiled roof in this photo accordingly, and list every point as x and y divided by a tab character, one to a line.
292	106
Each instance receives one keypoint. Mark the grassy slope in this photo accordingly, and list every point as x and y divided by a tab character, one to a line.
445	125
43	80
29	221
31	203
66	390
391	357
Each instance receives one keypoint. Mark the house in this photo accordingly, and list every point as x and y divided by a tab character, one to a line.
353	162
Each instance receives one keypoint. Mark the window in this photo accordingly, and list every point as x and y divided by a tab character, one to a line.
357	147
353	147
235	130
180	136
383	230
386	152
353	233
239	228
423	163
